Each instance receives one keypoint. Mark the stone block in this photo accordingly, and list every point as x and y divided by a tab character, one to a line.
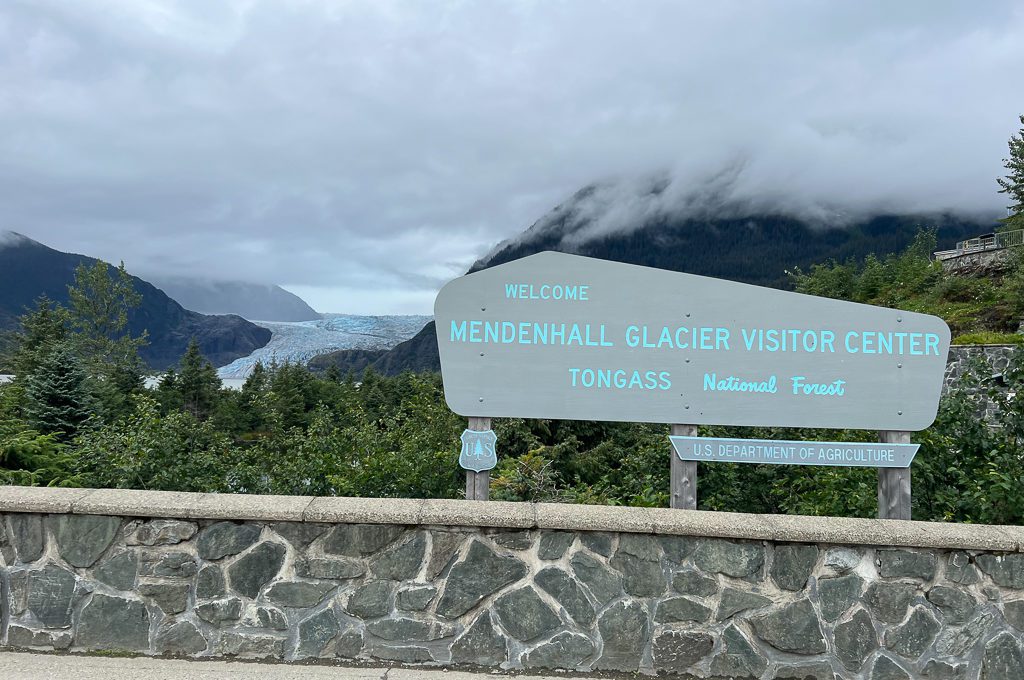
415	598
568	593
371	600
676	651
598	542
565	650
675	609
885	668
51	595
837	595
888	602
734	601
604	584
553	544
158	532
118	571
476	576
738	560
402	561
481	644
330	568
739	657
299	534
316	632
525	615
912	638
298	594
180	638
27	536
513	540
250	646
625	630
220	612
1003	659
1005	570
692	582
113	623
81	539
638	559
226	538
793	564
359	540
794	628
855	640
250	572
171	598
906	564
210	582
956	605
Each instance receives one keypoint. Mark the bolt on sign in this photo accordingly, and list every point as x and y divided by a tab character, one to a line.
567	337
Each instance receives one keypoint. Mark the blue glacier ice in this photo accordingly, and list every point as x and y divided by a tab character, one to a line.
299	341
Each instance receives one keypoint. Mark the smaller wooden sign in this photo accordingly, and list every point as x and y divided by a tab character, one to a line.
778	452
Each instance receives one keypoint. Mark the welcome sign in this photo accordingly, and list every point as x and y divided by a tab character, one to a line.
568	337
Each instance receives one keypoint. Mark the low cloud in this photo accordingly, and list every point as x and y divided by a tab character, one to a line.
364	152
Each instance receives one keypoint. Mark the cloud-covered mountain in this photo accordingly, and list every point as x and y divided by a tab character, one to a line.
29	269
253	301
705	231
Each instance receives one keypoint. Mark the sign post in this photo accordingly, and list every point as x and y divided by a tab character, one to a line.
478	481
894	483
683	474
558	336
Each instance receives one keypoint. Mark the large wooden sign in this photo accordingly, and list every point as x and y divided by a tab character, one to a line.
568	337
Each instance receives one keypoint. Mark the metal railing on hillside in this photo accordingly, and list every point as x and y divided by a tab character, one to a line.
1005	239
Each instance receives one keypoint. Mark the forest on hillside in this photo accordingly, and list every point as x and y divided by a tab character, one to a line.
78	415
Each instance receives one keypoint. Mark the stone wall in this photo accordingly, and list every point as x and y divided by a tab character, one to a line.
509	585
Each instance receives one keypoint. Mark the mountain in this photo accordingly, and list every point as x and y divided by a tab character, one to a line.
29	269
254	301
720	239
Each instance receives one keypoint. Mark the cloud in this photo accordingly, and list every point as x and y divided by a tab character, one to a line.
365	151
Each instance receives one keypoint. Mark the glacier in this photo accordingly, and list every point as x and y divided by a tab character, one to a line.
297	342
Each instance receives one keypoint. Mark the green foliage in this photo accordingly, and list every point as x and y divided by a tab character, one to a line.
971	305
988	338
1013	183
57	400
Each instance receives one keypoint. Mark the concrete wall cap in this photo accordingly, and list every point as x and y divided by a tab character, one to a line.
459	513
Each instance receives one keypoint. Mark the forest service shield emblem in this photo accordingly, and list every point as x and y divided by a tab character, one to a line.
478	450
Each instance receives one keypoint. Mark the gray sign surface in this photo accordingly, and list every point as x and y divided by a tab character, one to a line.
567	337
779	452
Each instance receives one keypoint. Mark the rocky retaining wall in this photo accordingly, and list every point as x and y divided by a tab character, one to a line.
503	585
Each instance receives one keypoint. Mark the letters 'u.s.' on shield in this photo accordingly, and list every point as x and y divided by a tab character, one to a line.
478	450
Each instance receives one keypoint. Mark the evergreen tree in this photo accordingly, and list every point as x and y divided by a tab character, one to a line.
57	398
42	329
1013	184
197	382
98	307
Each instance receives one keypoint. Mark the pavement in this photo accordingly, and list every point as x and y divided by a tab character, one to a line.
30	666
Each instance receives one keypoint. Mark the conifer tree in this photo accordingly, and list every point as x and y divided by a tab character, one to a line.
197	382
57	396
1013	184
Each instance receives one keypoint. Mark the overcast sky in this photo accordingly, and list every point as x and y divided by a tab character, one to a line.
361	153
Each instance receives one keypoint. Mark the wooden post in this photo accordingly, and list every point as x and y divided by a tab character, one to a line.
478	484
683	473
894	483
